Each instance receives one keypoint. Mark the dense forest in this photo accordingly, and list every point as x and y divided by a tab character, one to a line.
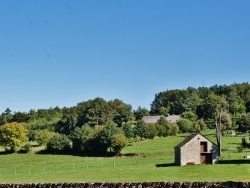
98	126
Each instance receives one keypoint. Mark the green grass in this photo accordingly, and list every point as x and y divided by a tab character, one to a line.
154	162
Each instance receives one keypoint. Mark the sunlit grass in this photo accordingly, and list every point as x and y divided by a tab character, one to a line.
153	162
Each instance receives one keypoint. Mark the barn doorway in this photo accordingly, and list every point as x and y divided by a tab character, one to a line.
206	158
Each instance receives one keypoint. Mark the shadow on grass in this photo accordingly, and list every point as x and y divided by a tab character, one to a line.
6	152
75	153
235	161
165	165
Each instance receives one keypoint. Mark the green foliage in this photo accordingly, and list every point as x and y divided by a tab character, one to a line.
20	117
118	141
243	123
6	117
205	102
140	112
164	111
80	137
141	129
244	143
199	125
12	135
42	137
122	112
27	147
191	116
226	121
59	143
152	131
162	126
173	129
211	106
128	130
185	126
101	140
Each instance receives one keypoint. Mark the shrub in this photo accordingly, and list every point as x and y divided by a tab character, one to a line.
27	147
185	125
152	131
118	141
59	143
42	137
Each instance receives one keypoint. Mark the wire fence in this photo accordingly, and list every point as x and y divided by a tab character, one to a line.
48	167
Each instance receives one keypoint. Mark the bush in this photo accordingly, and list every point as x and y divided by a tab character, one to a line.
27	147
118	141
59	143
185	126
152	131
42	137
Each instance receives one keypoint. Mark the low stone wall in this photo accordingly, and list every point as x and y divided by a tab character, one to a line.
133	185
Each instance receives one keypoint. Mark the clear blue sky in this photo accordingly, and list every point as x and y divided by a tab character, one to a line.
59	53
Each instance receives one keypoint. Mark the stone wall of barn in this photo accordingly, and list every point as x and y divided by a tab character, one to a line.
190	152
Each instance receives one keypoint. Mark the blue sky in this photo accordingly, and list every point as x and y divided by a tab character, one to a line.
59	53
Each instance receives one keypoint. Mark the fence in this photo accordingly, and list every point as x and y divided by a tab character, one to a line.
80	165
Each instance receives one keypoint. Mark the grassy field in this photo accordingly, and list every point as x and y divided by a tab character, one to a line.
152	160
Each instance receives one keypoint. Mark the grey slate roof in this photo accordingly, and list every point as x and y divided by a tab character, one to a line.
154	119
173	118
186	140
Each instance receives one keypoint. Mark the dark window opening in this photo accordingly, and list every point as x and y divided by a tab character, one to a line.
203	146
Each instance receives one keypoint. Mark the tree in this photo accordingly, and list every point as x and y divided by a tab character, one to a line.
128	130
244	123
185	125
200	125
118	141
162	126
140	112
94	112
43	136
6	117
190	116
12	135
59	143
141	129
218	132
211	106
122	112
102	139
152	131
20	117
226	121
80	137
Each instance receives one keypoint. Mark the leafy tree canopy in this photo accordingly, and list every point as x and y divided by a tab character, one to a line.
12	135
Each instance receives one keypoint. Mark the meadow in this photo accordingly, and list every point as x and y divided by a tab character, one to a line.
148	160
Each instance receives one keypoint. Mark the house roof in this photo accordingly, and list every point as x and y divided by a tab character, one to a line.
186	140
173	118
154	119
151	119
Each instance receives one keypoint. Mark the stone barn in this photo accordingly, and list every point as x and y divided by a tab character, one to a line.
196	149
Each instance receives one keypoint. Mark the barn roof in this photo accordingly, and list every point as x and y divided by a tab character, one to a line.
186	140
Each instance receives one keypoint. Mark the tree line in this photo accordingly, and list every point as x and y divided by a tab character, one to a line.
98	126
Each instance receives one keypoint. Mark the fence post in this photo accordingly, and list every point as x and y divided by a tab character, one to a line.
114	164
73	167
